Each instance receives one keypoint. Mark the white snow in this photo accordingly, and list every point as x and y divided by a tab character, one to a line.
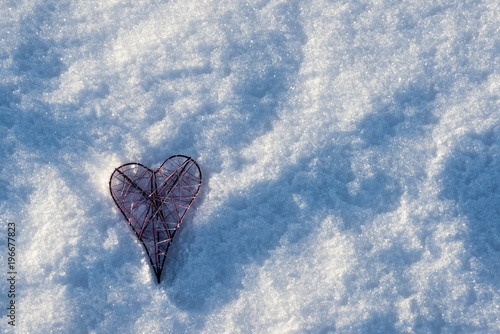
350	153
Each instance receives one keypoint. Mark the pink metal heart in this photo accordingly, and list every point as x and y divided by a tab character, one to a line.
154	202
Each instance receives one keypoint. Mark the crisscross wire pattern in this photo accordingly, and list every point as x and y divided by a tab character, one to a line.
154	202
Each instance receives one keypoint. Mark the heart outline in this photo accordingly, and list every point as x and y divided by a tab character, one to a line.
157	208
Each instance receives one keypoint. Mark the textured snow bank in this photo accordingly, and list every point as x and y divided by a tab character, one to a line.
350	152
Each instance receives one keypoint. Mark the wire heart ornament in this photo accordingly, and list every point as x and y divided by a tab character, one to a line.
154	202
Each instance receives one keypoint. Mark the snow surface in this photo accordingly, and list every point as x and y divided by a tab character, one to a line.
350	152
